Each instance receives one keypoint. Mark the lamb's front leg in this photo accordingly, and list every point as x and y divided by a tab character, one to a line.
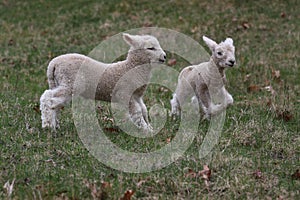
145	113
137	115
228	97
227	100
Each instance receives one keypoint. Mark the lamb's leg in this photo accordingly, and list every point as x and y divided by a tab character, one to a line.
145	113
217	108
204	101
136	113
175	107
48	114
228	97
51	103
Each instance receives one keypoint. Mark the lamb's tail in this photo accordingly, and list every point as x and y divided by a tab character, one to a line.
50	75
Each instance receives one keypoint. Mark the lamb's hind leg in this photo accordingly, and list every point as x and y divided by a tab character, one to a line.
51	102
48	114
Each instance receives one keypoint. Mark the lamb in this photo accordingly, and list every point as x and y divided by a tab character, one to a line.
207	80
62	72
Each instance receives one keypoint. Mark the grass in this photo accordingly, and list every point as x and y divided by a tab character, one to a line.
259	149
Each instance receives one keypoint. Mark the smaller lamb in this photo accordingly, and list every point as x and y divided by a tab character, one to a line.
205	80
63	70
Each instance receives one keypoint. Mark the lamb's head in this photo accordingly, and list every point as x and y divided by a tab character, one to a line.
222	53
146	47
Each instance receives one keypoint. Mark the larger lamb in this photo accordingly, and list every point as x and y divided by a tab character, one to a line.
62	72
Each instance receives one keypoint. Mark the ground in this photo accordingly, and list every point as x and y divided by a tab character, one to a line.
258	153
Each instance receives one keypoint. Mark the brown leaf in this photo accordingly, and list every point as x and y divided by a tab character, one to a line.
95	192
127	195
106	185
191	174
253	88
257	174
285	115
246	25
283	15
36	108
168	140
275	74
172	62
296	175
205	173
269	102
111	130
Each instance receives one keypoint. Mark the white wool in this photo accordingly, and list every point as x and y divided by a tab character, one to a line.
204	78
62	72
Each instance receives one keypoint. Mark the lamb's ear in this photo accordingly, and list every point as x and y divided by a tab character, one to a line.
210	43
130	39
229	41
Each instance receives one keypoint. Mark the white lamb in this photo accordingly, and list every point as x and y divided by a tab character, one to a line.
62	71
205	80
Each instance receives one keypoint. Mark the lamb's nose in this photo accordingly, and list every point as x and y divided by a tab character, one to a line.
232	62
165	57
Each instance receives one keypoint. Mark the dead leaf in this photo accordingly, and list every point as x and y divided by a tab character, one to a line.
257	174
253	88
172	62
283	15
205	173
36	108
269	102
296	175
285	115
127	195
191	174
106	185
168	140
9	187
96	193
275	74
246	25
111	130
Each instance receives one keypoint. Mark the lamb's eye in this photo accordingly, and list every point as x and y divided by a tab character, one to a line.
151	48
220	53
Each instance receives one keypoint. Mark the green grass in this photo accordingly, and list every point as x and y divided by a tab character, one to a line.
261	130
